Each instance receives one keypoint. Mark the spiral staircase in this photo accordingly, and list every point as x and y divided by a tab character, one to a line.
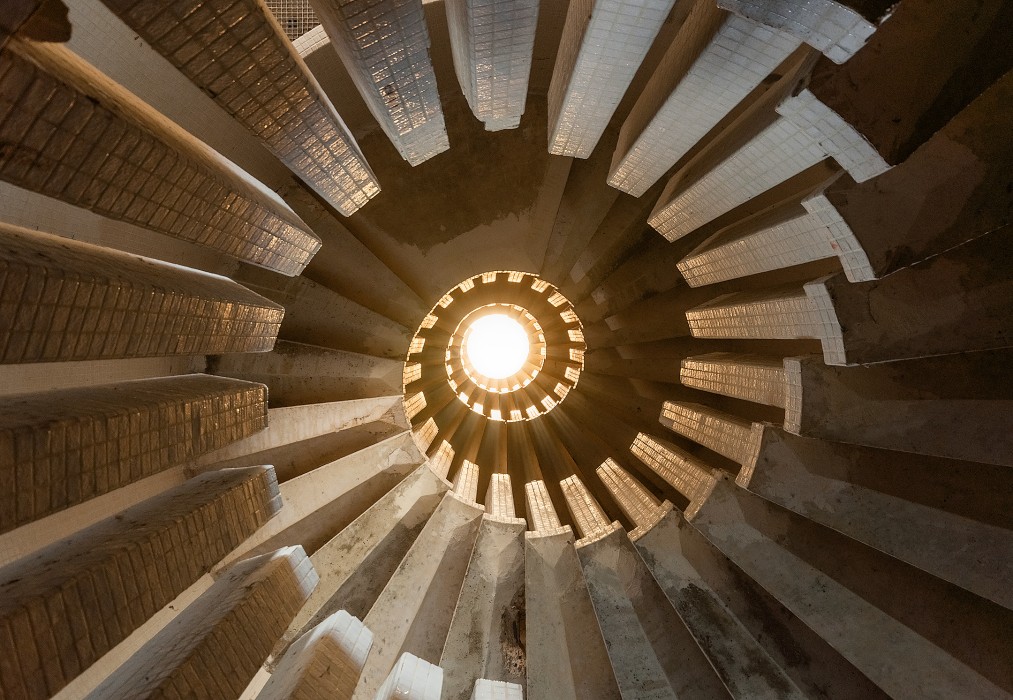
762	446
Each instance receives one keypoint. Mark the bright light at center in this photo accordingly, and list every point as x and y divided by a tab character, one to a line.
496	346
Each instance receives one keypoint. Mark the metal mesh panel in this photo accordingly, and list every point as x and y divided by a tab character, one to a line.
296	17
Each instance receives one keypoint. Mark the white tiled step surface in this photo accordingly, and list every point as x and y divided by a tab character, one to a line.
832	27
603	44
815	234
492	42
728	435
267	89
718	75
787	313
412	678
385	48
496	690
805	132
756	378
684	472
325	663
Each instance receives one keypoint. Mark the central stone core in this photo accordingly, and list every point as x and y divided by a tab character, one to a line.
496	346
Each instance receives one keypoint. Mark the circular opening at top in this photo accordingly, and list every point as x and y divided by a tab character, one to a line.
496	346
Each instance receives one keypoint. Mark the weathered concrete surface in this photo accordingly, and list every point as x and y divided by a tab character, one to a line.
746	669
300	457
486	636
317	315
953	189
955	302
911	635
955	406
622	231
357	562
806	476
315	507
566	656
583	206
477	214
807	659
295	424
296	373
346	266
653	654
923	64
415	608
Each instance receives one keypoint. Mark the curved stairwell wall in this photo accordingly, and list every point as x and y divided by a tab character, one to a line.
782	468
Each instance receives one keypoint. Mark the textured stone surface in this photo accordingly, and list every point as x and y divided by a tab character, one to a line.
414	611
64	300
235	52
907	632
652	652
828	483
955	406
356	563
73	134
215	647
65	606
744	666
61	448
